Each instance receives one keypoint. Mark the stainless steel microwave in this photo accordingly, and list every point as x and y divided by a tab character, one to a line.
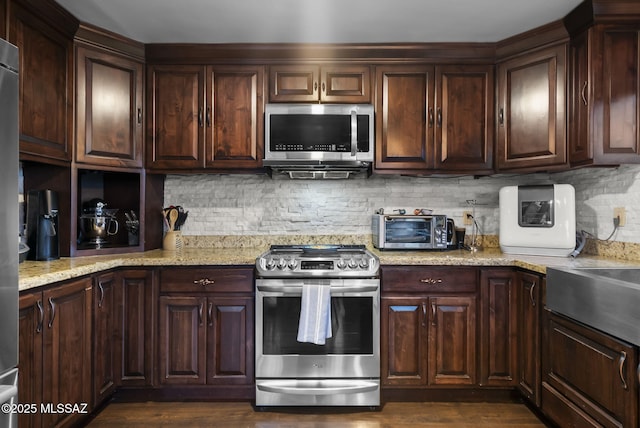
412	232
319	136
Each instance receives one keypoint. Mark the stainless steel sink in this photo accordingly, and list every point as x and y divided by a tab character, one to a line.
604	298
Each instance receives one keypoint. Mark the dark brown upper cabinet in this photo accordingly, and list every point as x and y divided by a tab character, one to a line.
46	82
404	118
327	84
109	115
604	109
464	121
531	111
205	116
434	119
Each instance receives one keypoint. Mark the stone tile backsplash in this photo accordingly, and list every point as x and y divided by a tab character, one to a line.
260	205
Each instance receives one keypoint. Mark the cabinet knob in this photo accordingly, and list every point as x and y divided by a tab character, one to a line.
582	93
501	117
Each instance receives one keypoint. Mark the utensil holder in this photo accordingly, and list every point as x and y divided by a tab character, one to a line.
172	241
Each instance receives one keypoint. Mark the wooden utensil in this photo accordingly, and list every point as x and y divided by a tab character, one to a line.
173	217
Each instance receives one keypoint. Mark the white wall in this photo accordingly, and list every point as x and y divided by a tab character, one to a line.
259	205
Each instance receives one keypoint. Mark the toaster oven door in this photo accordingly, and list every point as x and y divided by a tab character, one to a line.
408	232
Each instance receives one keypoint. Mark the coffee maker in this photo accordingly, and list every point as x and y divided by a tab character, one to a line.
42	225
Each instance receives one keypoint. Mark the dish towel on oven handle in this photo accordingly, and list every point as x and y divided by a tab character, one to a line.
315	313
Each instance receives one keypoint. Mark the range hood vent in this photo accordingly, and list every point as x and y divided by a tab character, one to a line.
319	170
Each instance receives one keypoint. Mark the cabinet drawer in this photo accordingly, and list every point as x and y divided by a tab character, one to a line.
199	279
429	279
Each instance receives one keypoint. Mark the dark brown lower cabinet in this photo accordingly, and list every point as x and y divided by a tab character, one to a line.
529	332
31	331
133	347
589	378
428	326
498	327
66	369
104	336
205	332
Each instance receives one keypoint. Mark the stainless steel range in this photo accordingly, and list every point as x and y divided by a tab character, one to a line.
318	326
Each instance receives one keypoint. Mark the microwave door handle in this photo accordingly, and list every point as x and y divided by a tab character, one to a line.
354	132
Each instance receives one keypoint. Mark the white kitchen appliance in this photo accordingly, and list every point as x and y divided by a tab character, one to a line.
538	220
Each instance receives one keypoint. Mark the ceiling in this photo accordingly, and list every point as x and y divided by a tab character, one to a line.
318	21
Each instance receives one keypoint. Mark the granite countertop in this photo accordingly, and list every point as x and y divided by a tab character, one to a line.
35	274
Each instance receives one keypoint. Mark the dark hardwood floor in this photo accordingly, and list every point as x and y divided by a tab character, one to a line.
432	415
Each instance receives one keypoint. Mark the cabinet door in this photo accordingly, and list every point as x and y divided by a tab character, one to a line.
67	349
529	307
294	83
333	83
104	335
531	110
404	341
230	340
108	109
452	340
345	84
45	87
620	95
30	328
464	118
590	378
134	343
234	117
498	327
175	133
182	340
580	99
405	118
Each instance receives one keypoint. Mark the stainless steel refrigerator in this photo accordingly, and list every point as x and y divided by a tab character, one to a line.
8	232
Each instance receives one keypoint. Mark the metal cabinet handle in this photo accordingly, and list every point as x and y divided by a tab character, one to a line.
424	314
204	281
582	93
622	361
431	118
533	300
52	305
139	116
431	281
323	87
315	86
439	117
200	117
101	299
41	316
638	373
433	313
200	313
210	314
501	117
208	118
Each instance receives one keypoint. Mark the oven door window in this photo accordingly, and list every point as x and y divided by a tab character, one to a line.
351	324
408	231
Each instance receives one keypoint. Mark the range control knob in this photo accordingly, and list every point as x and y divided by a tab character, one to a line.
341	264
270	264
293	263
364	263
353	263
282	263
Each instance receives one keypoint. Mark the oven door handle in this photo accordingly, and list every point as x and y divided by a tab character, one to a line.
317	387
298	290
